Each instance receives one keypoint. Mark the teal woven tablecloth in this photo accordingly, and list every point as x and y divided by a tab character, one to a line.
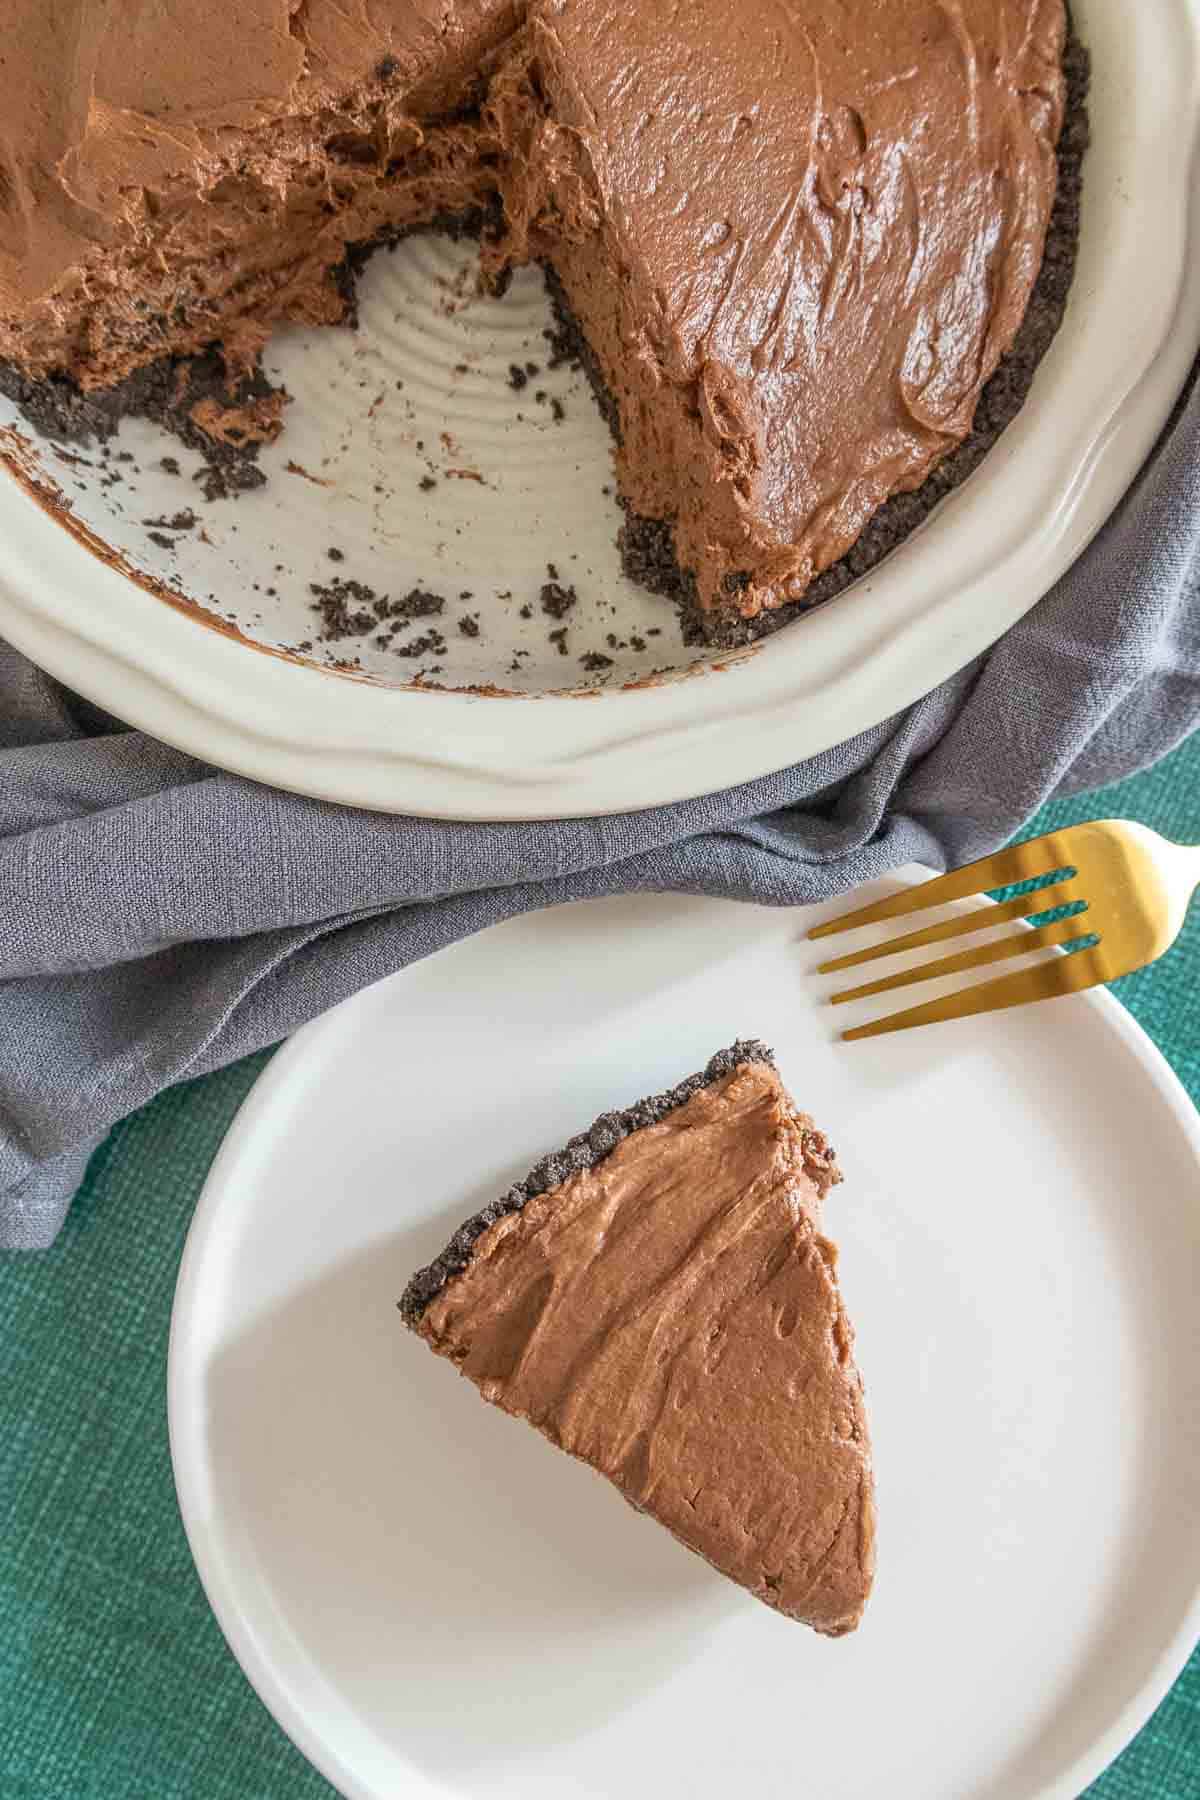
115	1682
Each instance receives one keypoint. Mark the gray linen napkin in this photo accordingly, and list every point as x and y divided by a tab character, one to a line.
159	918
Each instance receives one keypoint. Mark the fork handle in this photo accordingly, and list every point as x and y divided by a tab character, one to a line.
1178	868
1184	868
1170	873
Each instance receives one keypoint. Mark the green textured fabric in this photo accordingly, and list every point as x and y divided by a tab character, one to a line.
115	1682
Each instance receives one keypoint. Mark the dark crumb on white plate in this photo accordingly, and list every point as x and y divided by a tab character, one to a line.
557	600
429	641
350	608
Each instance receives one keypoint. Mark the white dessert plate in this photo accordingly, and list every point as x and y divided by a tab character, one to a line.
207	638
432	1600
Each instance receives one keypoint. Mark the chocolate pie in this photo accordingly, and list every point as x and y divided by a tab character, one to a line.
797	238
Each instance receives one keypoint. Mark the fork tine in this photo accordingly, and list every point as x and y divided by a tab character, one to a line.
1062	975
980	918
1020	862
1013	943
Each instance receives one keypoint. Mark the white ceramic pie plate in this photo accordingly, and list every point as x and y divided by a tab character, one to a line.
433	1601
1099	400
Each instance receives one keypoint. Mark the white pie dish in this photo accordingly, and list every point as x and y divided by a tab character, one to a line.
998	543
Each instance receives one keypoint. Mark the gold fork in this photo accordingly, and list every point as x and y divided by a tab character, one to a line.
1130	890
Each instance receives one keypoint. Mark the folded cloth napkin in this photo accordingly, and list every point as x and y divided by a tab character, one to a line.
159	918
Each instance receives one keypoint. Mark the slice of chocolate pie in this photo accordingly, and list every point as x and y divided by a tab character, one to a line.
658	1299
